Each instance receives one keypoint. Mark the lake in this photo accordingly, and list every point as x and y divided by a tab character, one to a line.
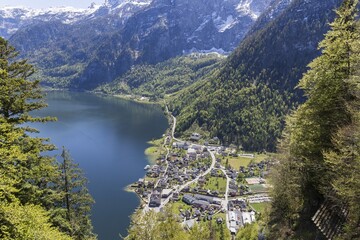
107	136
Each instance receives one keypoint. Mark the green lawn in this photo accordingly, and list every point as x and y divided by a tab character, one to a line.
156	142
216	184
259	157
260	207
155	151
176	206
257	188
237	162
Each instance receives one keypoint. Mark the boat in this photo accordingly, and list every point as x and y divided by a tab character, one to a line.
147	167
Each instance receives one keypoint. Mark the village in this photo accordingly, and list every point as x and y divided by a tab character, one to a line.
205	182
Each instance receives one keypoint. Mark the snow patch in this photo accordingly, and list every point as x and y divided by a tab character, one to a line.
23	13
222	26
244	7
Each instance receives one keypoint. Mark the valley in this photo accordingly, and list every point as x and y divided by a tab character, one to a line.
262	100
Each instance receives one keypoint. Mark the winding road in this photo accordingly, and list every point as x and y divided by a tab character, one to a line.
181	187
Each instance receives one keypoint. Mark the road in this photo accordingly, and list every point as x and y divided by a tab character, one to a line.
181	187
225	203
213	161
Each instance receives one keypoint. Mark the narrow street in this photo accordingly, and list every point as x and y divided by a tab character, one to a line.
181	187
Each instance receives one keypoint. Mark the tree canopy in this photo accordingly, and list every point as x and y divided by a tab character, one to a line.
28	177
313	168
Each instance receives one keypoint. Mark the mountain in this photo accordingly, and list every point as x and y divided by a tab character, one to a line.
168	77
108	44
14	18
246	101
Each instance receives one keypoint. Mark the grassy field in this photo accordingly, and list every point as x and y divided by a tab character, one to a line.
176	206
259	157
260	207
216	184
155	151
237	162
256	188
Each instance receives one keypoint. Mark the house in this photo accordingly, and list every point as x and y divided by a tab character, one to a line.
162	183
166	193
232	193
182	145
201	204
248	217
195	137
197	147
150	184
202	180
175	196
191	153
155	200
188	199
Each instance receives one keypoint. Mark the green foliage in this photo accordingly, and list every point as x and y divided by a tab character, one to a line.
249	232
23	222
76	199
245	101
247	114
165	225
199	231
316	143
343	161
163	78
28	177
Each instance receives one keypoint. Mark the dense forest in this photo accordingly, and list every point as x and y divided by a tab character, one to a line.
157	81
318	179
245	101
40	198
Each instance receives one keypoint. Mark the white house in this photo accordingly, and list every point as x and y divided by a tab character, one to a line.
191	153
248	217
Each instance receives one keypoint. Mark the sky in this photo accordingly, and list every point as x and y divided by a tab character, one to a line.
49	3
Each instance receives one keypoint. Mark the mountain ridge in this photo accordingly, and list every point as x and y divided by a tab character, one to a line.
148	35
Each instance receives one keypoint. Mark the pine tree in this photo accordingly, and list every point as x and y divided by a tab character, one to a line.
343	163
76	199
25	174
18	97
310	130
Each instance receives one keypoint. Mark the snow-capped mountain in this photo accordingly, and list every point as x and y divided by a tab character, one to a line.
106	42
13	18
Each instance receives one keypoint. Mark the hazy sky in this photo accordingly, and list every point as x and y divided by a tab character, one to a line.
49	3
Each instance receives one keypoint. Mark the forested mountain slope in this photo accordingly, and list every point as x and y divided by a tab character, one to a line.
156	81
245	101
316	182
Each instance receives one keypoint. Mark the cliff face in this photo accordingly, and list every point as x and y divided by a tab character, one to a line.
120	34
